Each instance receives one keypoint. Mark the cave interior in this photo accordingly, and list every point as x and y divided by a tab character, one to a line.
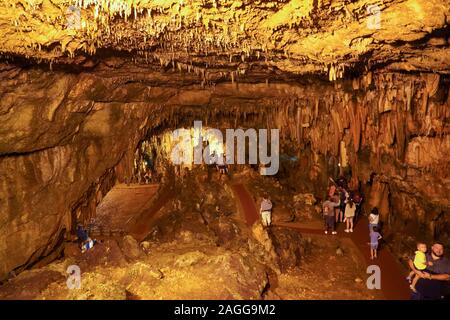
96	97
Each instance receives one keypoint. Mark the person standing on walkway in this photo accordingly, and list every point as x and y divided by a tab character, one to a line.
357	199
375	236
342	194
266	211
350	209
328	208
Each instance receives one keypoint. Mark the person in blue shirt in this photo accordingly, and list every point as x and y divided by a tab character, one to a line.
375	236
82	234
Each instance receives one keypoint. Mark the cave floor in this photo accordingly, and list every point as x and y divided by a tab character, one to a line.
192	256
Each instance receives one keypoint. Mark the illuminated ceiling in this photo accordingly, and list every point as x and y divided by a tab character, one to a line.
297	36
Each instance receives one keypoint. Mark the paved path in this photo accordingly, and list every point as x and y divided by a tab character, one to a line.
144	222
130	210
246	203
393	282
116	212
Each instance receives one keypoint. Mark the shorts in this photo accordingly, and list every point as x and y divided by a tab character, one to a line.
374	246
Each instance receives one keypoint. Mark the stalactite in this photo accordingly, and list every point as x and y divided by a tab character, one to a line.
401	134
432	83
424	105
355	126
389	132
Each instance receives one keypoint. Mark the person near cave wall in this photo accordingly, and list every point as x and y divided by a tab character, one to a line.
375	237
328	208
357	199
82	234
350	209
342	194
266	211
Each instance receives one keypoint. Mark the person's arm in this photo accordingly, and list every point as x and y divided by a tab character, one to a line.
442	277
445	277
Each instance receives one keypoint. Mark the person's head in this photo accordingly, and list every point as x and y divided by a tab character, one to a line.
422	247
350	203
265	196
375	229
437	250
374	211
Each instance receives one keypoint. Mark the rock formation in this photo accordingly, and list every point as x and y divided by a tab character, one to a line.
356	86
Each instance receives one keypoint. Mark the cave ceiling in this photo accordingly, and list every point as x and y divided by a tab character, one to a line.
324	37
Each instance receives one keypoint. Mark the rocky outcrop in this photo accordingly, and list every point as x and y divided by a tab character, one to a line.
57	144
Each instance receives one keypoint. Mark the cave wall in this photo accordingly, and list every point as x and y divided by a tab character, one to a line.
58	143
64	133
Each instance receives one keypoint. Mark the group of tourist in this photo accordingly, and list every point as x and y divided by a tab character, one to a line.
429	269
341	206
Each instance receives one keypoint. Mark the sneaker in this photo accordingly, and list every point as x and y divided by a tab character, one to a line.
346	230
326	232
408	279
351	230
334	232
413	289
